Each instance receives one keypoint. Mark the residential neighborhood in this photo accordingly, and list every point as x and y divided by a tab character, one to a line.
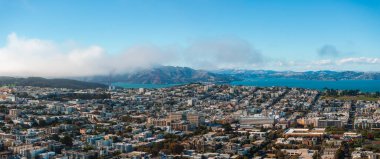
188	121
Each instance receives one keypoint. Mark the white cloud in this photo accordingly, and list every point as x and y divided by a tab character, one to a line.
34	57
216	53
342	64
328	50
359	60
323	62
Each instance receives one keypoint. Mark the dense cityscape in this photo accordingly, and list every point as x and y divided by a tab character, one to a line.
189	79
188	121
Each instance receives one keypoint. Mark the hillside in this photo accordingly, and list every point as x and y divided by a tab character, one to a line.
308	75
163	75
53	83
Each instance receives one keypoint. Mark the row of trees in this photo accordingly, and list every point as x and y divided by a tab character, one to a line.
336	93
167	147
66	139
85	96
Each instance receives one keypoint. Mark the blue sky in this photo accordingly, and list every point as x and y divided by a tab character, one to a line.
282	34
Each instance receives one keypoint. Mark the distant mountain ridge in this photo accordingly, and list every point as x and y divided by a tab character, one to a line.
183	75
163	75
308	75
52	83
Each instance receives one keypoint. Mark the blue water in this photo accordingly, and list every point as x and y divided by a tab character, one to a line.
362	85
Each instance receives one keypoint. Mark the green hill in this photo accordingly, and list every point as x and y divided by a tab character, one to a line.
52	83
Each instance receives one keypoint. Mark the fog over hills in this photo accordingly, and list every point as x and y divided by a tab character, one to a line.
182	75
163	75
177	75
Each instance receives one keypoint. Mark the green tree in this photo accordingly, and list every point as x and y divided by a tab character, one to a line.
339	154
310	126
129	129
176	148
227	127
67	140
315	155
116	153
88	148
55	137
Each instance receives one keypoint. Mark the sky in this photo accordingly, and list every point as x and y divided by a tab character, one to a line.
87	37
